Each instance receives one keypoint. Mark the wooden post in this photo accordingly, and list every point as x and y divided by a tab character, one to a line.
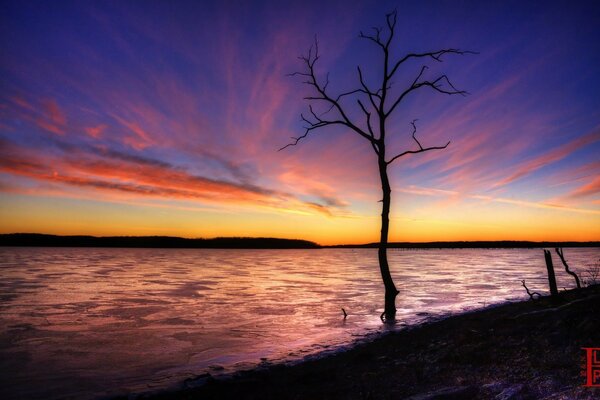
551	277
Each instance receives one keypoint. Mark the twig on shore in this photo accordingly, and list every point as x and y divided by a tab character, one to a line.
531	294
345	314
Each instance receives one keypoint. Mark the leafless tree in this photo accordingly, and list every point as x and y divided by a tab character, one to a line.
374	106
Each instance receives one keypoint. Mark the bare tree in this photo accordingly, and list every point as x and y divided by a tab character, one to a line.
374	106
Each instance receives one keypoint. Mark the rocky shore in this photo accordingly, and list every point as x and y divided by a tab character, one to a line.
526	350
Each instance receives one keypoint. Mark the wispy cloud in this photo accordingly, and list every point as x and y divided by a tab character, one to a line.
589	189
117	172
550	157
95	131
534	204
52	118
593	187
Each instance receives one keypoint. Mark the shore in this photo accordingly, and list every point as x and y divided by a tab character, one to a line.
526	350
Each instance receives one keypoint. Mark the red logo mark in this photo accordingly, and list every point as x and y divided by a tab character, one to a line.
592	366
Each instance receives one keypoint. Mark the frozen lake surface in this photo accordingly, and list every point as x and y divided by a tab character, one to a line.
89	322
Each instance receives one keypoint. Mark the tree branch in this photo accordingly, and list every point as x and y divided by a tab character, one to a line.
441	84
374	142
391	19
311	126
559	251
435	55
375	39
531	294
436	84
415	131
322	95
368	91
421	148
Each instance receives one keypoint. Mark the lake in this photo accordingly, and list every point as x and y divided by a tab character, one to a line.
92	322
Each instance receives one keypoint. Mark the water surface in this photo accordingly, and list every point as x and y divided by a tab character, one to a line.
85	323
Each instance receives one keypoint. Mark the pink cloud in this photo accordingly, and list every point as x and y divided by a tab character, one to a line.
589	189
550	157
52	119
123	176
95	131
141	139
21	102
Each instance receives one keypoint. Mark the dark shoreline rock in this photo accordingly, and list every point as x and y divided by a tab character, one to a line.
527	350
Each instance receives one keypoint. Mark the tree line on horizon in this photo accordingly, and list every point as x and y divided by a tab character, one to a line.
46	240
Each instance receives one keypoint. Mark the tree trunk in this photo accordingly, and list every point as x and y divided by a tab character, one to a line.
390	289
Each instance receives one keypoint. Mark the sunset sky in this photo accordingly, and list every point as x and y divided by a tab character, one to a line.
165	118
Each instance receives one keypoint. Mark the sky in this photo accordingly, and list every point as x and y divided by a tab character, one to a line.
166	117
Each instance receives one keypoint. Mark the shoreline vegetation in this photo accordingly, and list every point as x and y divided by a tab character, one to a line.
45	240
42	240
526	350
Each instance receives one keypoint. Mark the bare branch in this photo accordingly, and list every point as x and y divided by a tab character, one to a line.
423	69
437	85
374	142
391	19
368	91
435	55
311	126
313	113
362	90
417	151
322	95
375	39
421	148
415	131
326	82
368	115
559	251
531	294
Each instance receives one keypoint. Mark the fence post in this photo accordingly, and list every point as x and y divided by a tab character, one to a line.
551	277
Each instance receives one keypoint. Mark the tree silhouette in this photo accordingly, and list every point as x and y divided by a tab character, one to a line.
375	106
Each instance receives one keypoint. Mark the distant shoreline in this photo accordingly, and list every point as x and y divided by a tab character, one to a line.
44	240
499	244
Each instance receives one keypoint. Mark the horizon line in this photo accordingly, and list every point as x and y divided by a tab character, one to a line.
26	239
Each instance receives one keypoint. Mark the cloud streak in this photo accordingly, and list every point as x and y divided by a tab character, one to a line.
589	189
113	171
550	157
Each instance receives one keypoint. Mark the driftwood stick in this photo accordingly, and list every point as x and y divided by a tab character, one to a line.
531	294
345	314
559	251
